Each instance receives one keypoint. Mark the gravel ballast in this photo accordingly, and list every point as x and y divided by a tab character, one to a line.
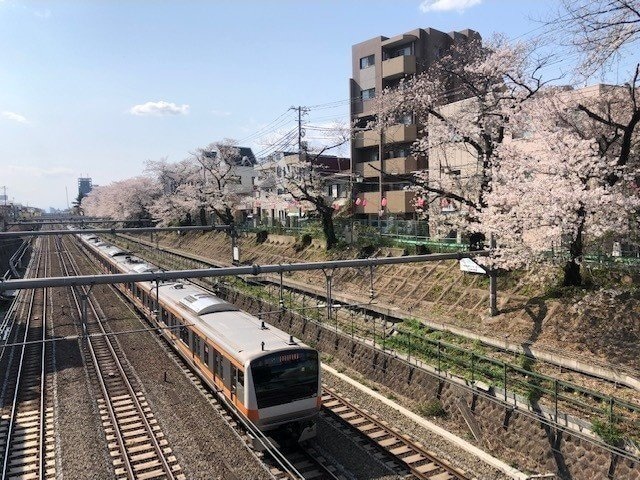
202	442
81	447
443	448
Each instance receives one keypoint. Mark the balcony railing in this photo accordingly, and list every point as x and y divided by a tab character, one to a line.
399	133
399	66
398	201
392	166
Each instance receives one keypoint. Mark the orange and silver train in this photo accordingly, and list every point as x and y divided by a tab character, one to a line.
270	378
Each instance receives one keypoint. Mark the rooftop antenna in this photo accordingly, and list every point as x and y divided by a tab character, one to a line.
66	192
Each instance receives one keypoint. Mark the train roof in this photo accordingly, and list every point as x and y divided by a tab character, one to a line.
240	333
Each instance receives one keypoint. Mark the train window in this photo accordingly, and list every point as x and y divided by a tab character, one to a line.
196	345
205	353
240	385
216	362
184	334
285	377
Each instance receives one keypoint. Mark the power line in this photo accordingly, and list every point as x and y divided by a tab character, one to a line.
269	126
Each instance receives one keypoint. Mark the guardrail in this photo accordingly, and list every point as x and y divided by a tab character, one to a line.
15	261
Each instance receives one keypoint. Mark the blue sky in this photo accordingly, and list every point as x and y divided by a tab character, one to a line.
72	72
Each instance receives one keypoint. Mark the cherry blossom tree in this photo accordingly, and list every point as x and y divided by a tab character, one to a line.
307	180
128	199
464	103
206	182
171	207
597	30
563	184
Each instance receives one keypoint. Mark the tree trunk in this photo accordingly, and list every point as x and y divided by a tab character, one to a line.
203	216
328	228
572	273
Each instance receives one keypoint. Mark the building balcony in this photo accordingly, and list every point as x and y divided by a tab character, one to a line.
373	202
392	166
399	201
401	133
399	67
394	134
369	138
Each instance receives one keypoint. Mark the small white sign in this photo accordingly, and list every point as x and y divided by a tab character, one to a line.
468	265
236	254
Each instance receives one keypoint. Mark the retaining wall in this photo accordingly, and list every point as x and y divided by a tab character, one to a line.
506	433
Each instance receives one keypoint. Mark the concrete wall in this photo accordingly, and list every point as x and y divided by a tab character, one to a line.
509	434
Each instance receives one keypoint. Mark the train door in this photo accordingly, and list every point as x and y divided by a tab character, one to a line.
240	385
226	373
234	382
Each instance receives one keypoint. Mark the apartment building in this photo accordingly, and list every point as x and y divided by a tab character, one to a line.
273	205
85	185
383	161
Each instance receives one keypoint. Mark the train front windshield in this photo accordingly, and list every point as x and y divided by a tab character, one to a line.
285	377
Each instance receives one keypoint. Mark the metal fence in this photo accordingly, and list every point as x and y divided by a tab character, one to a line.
513	382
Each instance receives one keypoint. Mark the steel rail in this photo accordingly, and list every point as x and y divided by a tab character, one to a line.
103	387
43	369
410	447
113	230
229	271
250	427
16	393
134	398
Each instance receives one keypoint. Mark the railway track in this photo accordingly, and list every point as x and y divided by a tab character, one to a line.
308	463
27	443
136	443
303	462
406	452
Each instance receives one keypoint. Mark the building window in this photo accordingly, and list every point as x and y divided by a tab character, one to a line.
398	152
406	119
401	51
368	94
366	62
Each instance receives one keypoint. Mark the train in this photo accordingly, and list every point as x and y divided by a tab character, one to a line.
269	377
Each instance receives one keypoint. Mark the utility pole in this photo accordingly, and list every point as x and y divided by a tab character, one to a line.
301	111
